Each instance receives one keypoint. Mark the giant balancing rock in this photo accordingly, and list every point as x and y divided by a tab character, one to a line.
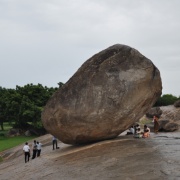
109	92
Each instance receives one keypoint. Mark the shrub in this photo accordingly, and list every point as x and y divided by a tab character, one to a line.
165	100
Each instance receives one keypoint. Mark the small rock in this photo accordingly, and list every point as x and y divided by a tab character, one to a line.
27	133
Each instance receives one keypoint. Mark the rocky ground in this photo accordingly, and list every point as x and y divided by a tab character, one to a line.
122	158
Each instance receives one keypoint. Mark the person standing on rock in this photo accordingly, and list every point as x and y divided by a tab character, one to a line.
34	149
39	145
156	124
26	150
54	141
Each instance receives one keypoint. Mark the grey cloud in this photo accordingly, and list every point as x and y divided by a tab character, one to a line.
47	41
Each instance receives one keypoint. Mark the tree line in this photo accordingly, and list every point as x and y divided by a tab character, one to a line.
23	105
166	99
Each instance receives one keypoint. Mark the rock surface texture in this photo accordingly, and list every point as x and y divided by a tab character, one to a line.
109	92
155	111
177	104
123	158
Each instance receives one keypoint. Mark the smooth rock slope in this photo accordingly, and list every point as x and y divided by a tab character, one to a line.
109	92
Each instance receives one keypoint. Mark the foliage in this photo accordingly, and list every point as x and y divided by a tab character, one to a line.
10	142
24	104
144	120
166	99
6	127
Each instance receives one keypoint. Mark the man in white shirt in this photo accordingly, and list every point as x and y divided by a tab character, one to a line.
26	150
131	130
39	145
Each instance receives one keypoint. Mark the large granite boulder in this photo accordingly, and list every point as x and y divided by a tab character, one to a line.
109	92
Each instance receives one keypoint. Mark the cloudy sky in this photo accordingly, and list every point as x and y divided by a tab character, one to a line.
46	41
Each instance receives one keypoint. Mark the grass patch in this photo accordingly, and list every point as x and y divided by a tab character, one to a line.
145	120
10	142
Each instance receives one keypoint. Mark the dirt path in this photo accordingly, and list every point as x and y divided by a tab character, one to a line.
122	158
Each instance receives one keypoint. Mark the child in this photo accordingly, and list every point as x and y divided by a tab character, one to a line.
138	133
146	133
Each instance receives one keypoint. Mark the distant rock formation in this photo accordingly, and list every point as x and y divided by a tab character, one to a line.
170	118
155	111
171	113
110	91
168	125
177	104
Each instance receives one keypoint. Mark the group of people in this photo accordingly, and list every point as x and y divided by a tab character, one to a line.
138	133
135	130
36	148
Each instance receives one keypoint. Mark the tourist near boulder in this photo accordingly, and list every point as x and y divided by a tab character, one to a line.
109	92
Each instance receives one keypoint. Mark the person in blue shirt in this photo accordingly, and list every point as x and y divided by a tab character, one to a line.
54	142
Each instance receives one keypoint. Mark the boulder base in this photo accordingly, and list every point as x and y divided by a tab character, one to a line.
109	92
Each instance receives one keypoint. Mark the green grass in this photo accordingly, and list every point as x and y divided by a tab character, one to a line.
10	142
145	121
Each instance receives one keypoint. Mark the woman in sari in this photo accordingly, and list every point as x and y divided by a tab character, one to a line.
156	124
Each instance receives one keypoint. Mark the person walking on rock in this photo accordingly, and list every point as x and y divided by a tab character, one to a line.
34	149
26	150
54	141
39	145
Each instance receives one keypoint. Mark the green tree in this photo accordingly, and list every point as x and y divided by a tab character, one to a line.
165	100
23	104
5	104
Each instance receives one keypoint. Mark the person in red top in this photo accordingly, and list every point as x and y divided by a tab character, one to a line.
156	124
146	132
